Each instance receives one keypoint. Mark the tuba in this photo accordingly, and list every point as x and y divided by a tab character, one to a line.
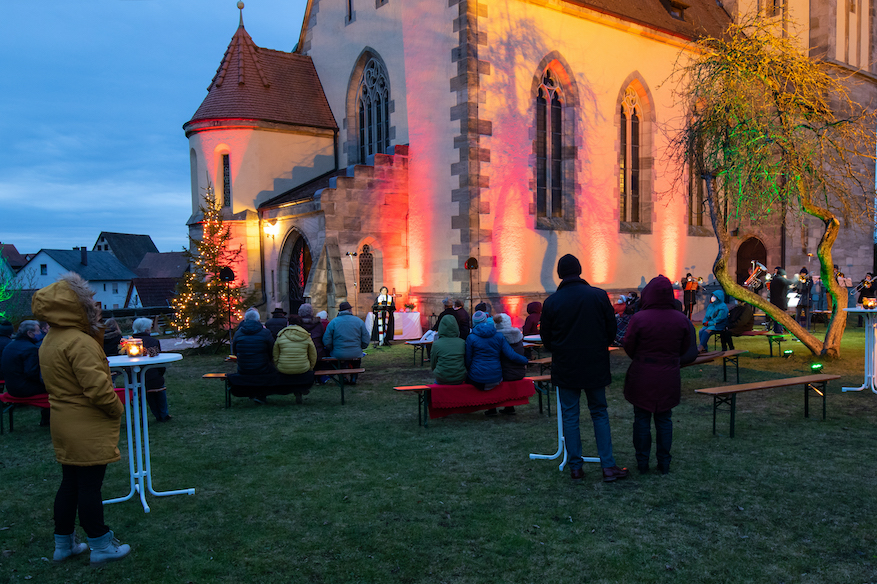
758	270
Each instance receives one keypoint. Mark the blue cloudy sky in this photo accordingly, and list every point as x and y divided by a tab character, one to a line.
93	96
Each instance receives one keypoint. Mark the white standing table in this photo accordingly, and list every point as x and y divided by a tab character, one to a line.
870	345
137	423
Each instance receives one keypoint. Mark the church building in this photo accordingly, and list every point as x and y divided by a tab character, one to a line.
459	148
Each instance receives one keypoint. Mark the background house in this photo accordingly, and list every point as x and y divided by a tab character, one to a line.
111	281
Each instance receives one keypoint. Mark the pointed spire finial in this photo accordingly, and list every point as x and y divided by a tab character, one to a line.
241	8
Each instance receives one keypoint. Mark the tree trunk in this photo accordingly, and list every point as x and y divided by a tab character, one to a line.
720	269
837	325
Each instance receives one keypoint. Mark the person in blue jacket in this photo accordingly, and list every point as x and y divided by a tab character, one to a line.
715	319
484	345
346	337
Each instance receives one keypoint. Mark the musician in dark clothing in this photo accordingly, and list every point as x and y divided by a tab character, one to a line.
779	294
803	287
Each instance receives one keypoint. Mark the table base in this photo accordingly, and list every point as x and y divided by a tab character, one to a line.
139	460
561	442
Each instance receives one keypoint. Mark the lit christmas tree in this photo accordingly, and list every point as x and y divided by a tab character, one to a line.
206	303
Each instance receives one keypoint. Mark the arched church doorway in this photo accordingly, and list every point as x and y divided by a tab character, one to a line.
299	269
750	250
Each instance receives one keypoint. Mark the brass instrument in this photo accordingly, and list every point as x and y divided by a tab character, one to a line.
700	281
863	284
758	269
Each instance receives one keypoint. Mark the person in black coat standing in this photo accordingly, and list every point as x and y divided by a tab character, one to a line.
779	293
577	326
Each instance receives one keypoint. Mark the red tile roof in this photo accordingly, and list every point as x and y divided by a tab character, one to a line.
253	83
699	18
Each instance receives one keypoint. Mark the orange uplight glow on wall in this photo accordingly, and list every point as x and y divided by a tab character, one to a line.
600	244
512	305
671	231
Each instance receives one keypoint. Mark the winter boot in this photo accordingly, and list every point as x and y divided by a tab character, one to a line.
107	548
66	546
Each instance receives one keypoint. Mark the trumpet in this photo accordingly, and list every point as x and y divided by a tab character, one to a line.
700	281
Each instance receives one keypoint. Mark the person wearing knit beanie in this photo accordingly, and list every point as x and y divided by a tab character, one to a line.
479	317
568	266
577	326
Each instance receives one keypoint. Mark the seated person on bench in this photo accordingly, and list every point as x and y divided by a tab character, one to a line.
253	345
345	338
714	320
448	358
157	400
511	370
295	357
741	318
21	365
484	345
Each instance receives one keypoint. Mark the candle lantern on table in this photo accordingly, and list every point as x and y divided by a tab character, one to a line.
134	348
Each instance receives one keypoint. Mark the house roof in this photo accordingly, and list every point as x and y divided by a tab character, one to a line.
253	83
303	191
155	292
128	248
102	265
700	17
15	260
171	264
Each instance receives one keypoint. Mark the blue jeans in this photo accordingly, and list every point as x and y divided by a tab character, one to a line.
704	336
569	405
642	436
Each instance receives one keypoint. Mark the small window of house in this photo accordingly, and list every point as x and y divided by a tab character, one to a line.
44	270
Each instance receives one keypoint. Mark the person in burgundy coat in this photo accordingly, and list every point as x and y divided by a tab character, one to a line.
534	314
657	337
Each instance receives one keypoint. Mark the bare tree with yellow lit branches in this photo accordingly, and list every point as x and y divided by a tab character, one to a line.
206	305
775	135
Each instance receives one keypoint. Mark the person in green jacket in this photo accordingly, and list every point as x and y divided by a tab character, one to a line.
448	357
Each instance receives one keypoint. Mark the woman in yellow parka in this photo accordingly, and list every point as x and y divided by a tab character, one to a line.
85	412
295	357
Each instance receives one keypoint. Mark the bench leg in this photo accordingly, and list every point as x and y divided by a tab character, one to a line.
821	392
227	394
720	400
733	411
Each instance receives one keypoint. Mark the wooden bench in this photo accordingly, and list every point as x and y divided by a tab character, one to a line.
544	364
725	356
771	339
11	402
422	392
224	377
337	375
424	402
543	387
37	401
727	394
421	346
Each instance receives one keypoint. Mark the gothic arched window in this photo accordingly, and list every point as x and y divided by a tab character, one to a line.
373	110
629	162
366	271
549	147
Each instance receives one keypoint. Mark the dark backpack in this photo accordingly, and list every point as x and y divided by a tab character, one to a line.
741	318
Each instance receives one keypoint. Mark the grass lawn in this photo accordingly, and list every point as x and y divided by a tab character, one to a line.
322	492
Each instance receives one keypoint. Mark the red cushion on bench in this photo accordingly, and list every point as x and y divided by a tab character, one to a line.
41	400
464	398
